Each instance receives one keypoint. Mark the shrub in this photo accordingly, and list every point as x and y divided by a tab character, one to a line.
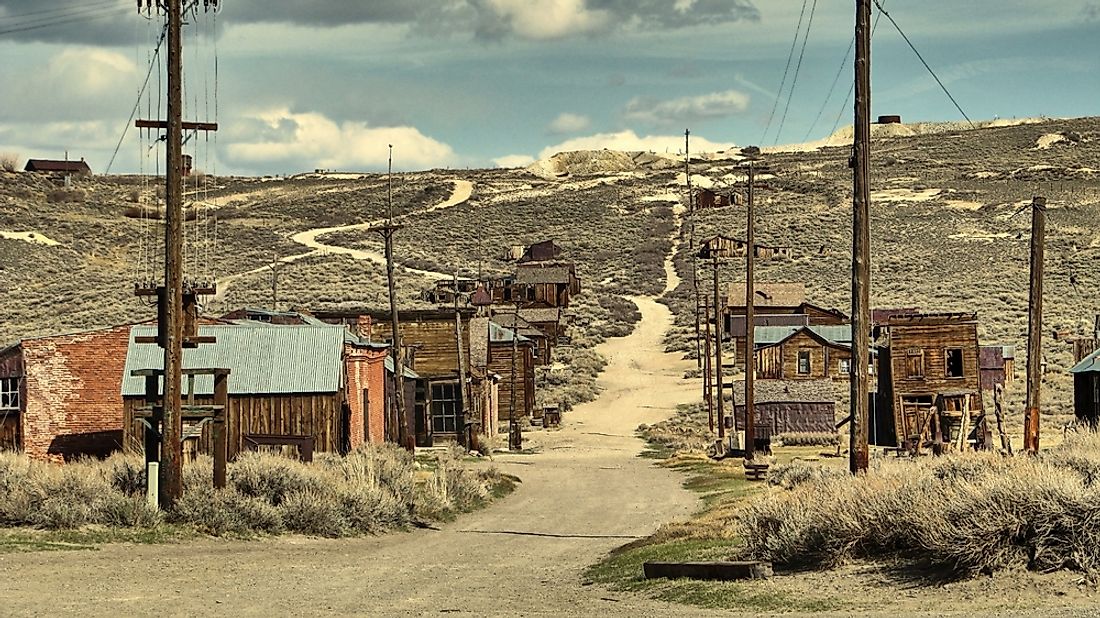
57	196
809	438
9	162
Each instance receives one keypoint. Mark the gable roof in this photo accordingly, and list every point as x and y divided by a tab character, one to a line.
786	391
787	294
535	272
540	314
499	334
838	335
49	165
261	359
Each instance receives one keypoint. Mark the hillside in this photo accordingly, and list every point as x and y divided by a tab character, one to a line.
944	232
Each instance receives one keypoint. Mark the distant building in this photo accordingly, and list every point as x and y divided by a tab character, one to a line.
804	352
63	167
785	406
998	365
1086	390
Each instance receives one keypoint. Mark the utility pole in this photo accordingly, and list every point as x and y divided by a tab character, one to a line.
275	283
708	386
399	422
462	390
858	450
719	387
750	324
1035	327
515	440
171	464
691	240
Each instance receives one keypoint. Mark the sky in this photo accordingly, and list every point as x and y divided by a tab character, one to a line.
297	86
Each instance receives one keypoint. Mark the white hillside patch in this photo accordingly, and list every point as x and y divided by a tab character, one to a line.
1046	141
904	195
662	197
34	238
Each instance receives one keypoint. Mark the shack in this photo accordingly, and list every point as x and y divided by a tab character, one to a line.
291	383
543	251
553	283
59	395
804	352
1086	390
53	166
929	380
787	406
998	365
542	344
511	356
709	198
772	300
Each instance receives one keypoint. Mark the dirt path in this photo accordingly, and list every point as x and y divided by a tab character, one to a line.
462	192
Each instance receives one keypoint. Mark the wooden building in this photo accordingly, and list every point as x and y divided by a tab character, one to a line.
930	381
542	343
552	284
515	364
787	406
998	365
1086	390
709	198
287	384
79	168
730	247
544	251
799	353
772	302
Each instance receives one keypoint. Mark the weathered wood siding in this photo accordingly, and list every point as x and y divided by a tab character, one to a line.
1086	397
319	415
500	363
789	417
434	341
781	361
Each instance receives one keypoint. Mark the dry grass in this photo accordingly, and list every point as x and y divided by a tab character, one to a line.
960	516
371	490
9	161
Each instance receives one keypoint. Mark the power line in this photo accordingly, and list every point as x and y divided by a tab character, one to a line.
797	68
921	58
783	82
137	104
63	21
836	80
852	86
61	9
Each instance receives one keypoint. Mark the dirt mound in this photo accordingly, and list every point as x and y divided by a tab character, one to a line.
584	163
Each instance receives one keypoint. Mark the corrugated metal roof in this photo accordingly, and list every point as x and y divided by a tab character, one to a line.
1088	364
770	335
800	391
271	360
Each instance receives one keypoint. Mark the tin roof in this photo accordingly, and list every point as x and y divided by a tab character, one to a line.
499	334
840	335
1089	364
261	360
52	165
768	294
533	272
788	391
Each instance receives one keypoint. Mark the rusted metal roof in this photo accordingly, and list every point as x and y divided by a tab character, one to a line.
788	294
773	391
532	272
261	360
48	165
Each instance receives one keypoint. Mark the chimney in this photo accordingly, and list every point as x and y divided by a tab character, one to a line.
362	326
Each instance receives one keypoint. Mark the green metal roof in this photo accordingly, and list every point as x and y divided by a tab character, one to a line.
499	334
840	335
1088	364
269	360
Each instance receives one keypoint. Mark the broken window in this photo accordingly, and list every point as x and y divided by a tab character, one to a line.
446	407
914	363
804	362
9	394
954	361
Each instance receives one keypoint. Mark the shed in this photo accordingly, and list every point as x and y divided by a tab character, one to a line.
284	381
64	167
1086	389
997	365
540	252
786	406
804	352
553	283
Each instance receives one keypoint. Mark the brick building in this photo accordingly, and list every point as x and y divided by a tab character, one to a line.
62	395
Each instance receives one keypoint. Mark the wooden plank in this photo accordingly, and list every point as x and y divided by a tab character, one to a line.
187	126
721	571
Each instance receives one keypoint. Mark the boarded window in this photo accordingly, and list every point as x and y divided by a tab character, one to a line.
954	360
914	363
445	407
9	394
804	362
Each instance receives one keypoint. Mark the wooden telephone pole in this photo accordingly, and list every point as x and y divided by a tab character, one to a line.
691	243
1035	327
719	388
466	407
399	423
750	324
708	385
861	244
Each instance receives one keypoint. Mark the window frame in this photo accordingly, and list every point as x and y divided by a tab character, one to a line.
446	407
9	392
807	354
845	366
947	353
915	353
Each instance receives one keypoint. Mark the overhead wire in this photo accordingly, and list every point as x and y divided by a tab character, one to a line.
797	68
852	86
921	58
60	9
62	20
832	87
137	104
783	82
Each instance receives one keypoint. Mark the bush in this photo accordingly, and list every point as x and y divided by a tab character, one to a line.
808	438
57	196
9	162
962	515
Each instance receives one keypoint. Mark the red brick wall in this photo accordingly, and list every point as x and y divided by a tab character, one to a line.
74	394
366	370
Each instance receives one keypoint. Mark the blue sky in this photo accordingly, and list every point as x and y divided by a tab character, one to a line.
477	83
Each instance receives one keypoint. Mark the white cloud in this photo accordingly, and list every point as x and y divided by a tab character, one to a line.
630	141
569	123
547	19
515	160
312	140
687	109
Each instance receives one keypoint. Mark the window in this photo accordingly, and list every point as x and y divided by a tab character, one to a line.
446	407
914	363
804	362
953	358
845	366
9	394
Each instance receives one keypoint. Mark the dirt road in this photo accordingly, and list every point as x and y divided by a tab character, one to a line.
583	493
